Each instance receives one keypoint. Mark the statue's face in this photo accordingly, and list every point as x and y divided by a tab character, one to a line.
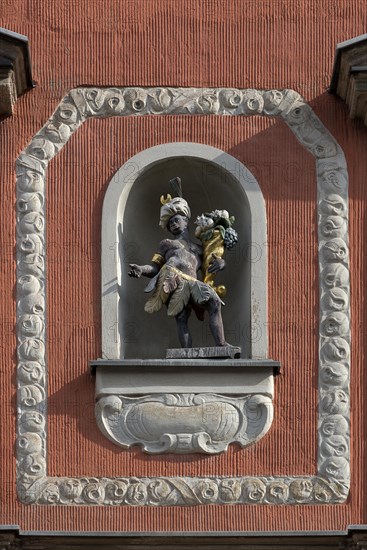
177	224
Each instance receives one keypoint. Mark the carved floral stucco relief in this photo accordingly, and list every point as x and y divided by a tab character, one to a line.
331	483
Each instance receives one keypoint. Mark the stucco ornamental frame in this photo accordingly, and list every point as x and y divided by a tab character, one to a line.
331	482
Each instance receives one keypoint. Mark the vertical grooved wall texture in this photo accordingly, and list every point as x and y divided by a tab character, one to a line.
74	306
264	44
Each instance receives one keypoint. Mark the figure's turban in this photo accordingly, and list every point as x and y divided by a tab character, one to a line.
177	205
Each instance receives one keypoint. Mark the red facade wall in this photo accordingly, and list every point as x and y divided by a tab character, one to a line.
277	44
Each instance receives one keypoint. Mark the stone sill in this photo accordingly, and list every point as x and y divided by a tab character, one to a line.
228	376
240	363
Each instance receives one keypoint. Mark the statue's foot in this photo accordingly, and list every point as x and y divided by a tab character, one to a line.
226	345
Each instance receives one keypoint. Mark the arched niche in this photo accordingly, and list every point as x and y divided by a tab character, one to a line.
130	234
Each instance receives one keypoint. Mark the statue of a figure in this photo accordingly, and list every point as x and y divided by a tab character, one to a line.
174	269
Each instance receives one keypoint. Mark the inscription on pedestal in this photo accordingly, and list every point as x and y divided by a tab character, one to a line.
224	352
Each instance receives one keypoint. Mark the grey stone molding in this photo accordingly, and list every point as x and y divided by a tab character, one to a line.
15	69
349	78
13	539
8	92
166	407
330	484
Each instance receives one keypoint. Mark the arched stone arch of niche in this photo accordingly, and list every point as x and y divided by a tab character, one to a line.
330	483
211	179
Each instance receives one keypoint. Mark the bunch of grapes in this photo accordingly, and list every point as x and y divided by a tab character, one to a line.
230	238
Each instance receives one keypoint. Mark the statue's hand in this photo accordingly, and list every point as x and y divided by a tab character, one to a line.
217	264
135	271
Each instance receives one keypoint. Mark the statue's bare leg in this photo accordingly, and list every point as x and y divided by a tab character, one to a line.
184	335
216	322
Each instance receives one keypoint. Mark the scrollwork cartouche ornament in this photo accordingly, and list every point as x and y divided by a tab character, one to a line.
184	423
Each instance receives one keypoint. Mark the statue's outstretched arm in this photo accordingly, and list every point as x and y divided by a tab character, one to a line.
151	269
146	270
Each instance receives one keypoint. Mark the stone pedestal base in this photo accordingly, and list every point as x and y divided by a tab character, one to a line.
224	352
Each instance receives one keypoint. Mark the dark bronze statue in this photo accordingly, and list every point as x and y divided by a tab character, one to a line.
174	267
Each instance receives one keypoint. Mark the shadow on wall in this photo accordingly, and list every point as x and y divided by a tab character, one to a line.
286	174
